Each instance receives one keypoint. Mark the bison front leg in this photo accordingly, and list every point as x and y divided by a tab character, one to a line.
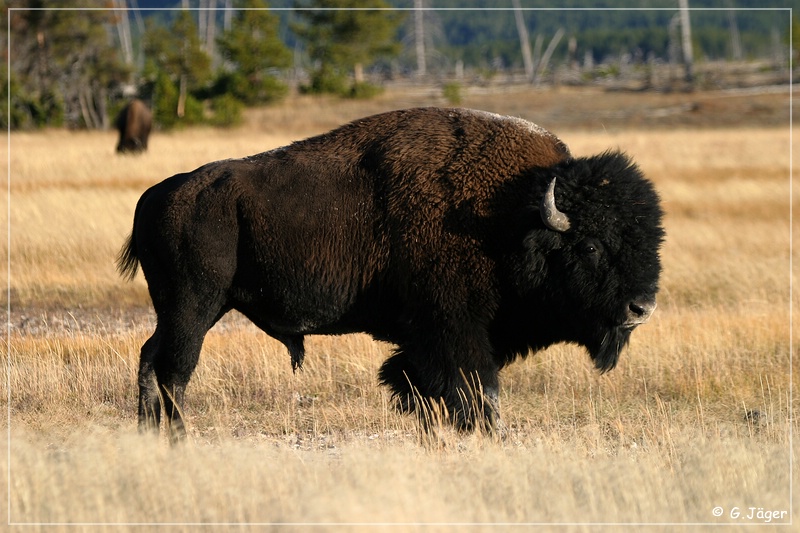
474	400
454	380
469	375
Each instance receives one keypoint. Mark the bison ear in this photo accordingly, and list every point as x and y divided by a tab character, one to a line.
551	216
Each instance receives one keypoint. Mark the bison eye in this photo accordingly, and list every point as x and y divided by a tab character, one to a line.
590	247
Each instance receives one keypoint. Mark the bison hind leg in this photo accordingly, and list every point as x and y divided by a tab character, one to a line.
149	396
149	400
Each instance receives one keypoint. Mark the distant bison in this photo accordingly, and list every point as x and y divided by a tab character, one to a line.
465	238
134	123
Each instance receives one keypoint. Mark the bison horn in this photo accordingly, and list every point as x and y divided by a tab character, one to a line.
551	216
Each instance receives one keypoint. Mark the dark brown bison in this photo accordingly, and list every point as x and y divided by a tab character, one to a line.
133	123
465	238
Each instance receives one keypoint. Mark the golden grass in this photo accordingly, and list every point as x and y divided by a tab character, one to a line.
697	415
392	482
658	442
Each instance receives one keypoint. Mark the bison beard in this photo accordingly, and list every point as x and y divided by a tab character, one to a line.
465	238
605	354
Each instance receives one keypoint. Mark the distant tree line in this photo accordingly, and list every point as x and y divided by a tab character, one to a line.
601	34
78	66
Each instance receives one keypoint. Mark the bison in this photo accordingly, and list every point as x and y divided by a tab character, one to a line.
465	238
133	123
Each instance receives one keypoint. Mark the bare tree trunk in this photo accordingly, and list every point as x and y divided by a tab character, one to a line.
137	17
686	38
96	119
182	97
778	55
90	117
211	30
674	48
124	31
202	24
183	83
102	108
547	53
736	40
227	19
524	41
537	50
87	118
419	38
41	60
358	73
572	50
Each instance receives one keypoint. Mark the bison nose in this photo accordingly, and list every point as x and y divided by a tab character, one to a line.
639	311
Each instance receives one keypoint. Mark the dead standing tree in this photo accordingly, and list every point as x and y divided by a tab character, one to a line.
686	40
419	38
524	41
542	66
534	67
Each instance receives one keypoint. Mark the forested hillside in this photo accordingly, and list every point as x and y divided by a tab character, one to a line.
77	67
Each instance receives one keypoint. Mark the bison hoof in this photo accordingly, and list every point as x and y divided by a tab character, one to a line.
177	434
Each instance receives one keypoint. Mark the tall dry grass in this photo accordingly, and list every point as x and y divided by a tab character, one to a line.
696	416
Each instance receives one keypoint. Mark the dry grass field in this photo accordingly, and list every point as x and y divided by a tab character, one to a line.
696	418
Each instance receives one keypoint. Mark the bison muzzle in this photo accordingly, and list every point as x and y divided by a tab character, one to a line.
465	238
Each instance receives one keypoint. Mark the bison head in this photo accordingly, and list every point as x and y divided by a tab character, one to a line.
593	261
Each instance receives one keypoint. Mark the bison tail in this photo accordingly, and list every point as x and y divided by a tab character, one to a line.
128	257
127	260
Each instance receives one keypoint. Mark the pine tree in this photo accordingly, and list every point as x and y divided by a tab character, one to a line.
64	67
252	48
177	53
344	36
